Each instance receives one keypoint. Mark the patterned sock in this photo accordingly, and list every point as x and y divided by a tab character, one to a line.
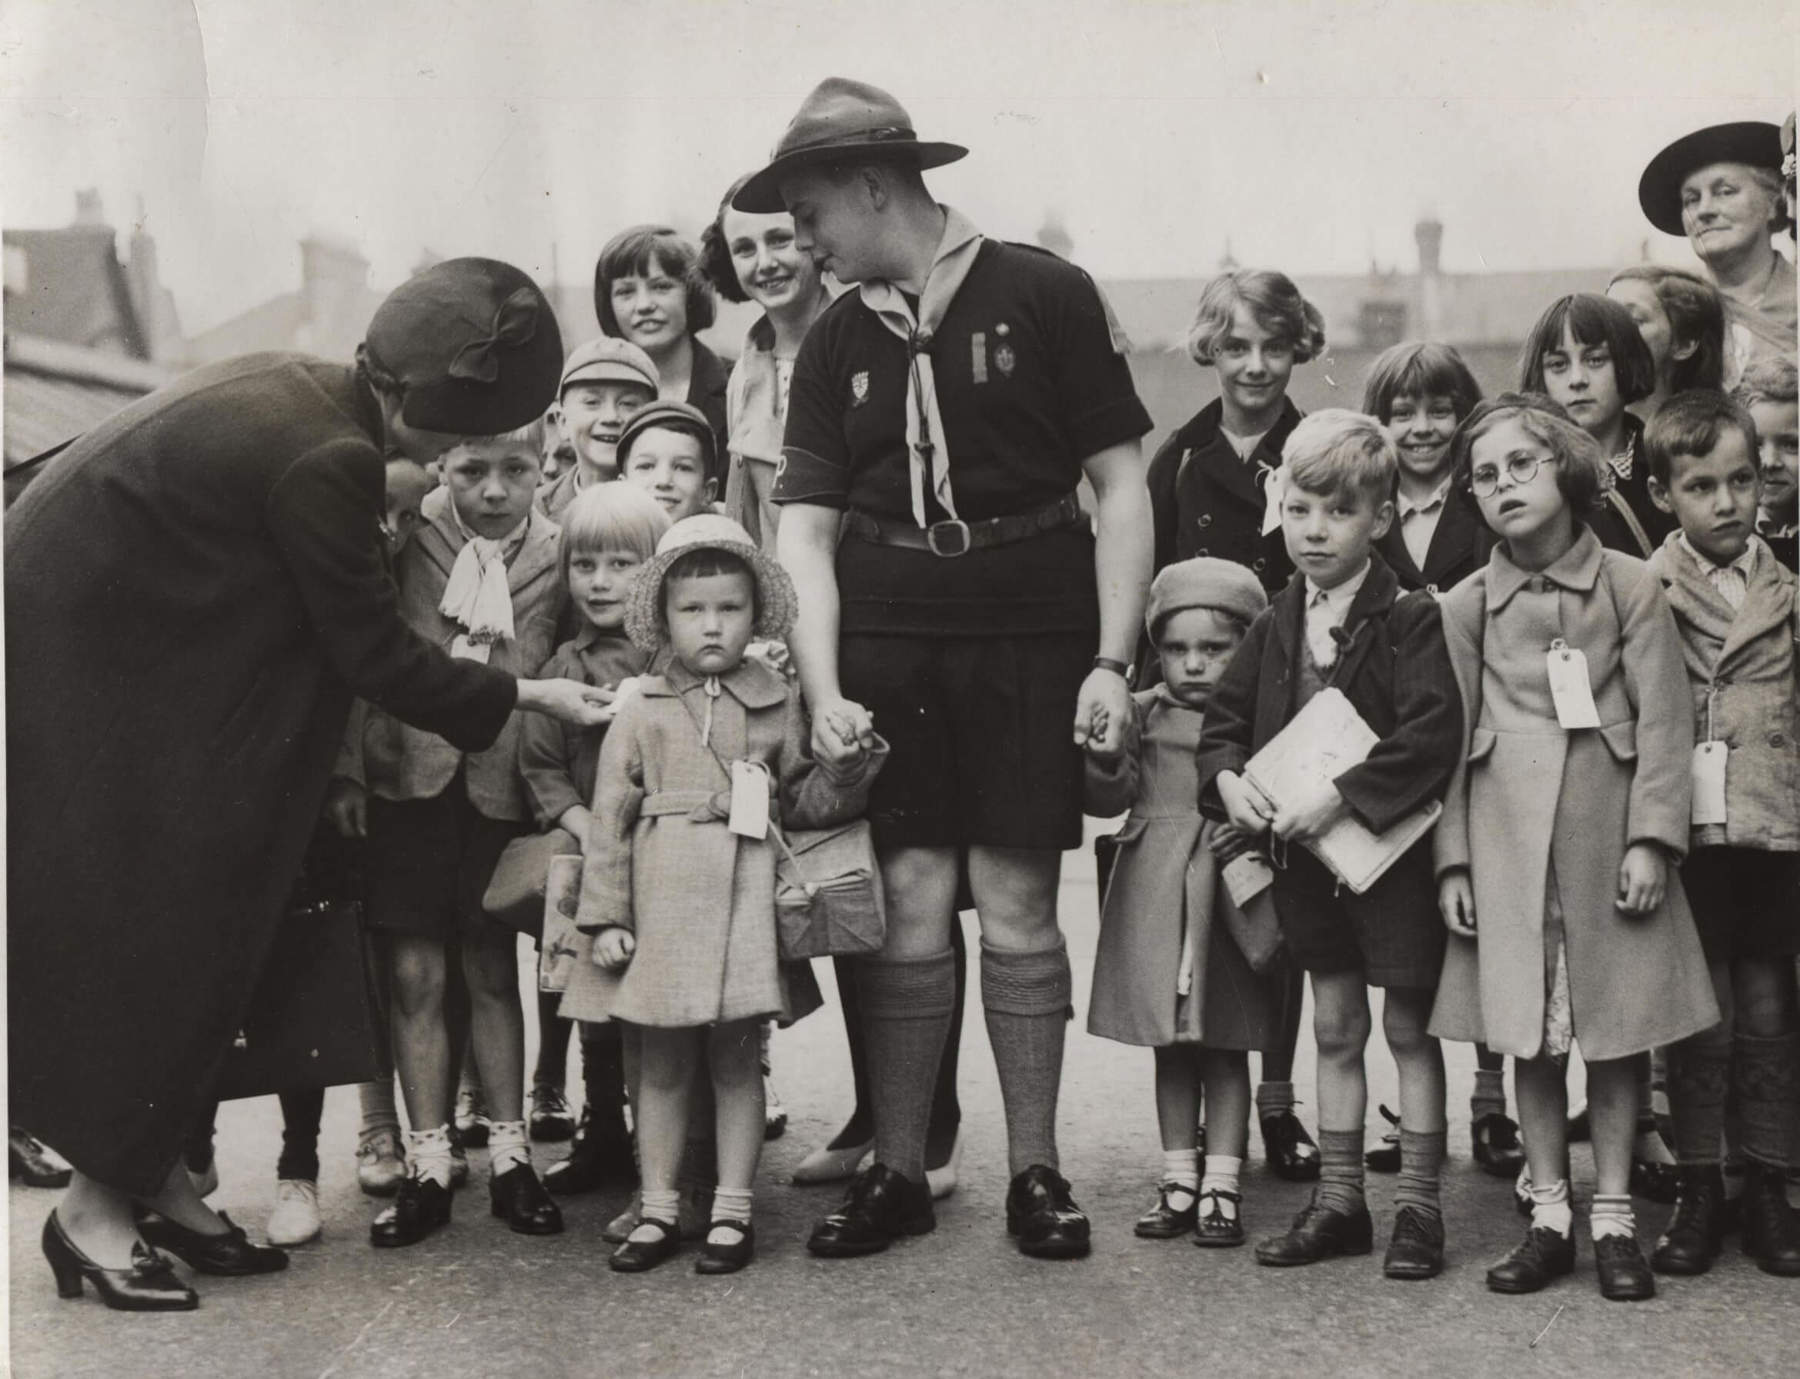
1182	1166
1421	1162
1489	1098
1026	999
1699	1072
1222	1172
1340	1170
1766	1079
1272	1098
507	1146
1610	1216
1550	1209
428	1154
906	1009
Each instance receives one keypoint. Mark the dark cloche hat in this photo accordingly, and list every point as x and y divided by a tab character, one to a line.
473	342
1753	142
842	120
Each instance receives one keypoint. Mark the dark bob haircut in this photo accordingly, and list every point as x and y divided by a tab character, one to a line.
1592	320
1419	371
640	250
1579	464
715	254
1696	317
1692	423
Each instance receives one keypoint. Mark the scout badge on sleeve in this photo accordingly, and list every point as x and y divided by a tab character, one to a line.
1004	358
859	387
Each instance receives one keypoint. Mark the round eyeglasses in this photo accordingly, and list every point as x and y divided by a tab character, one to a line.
1521	469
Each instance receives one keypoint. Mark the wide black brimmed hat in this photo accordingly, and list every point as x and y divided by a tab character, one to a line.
1755	143
842	121
473	343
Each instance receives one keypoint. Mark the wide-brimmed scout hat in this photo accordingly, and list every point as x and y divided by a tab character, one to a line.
473	343
1755	143
775	597
1204	582
608	359
842	121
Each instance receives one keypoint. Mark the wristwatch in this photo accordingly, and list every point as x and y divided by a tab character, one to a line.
1118	668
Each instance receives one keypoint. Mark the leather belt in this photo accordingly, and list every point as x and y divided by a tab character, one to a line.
954	538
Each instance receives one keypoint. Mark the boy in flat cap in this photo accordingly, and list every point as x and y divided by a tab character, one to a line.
942	415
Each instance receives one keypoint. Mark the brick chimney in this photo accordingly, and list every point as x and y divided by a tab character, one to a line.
1428	234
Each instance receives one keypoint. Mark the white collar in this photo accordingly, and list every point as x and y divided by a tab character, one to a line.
1439	496
1339	595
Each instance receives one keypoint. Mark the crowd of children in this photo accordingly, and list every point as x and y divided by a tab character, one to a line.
1568	624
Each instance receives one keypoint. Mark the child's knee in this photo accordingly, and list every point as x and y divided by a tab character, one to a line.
1403	1022
417	978
1764	997
491	970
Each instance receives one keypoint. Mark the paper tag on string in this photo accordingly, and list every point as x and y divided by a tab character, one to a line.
749	799
1569	686
1709	783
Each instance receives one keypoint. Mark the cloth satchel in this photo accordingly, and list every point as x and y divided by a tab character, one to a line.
312	1020
515	892
828	900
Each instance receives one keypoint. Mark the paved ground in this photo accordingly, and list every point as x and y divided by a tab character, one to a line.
477	1300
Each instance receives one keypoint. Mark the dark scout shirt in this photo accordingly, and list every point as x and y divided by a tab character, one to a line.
1028	384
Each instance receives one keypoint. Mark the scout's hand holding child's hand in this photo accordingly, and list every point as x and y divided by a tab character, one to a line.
613	947
1107	749
1456	902
1643	876
843	732
1244	804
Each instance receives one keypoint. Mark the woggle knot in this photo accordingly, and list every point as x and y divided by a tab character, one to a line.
514	324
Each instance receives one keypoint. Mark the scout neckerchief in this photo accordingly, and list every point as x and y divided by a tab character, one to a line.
925	439
477	596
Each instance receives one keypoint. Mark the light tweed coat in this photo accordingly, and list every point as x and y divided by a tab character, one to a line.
661	862
1530	795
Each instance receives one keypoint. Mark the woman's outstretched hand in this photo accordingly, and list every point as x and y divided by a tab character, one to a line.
584	706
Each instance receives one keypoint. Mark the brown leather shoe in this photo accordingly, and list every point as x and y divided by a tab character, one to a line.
1544	1254
880	1207
1319	1233
1042	1214
1690	1242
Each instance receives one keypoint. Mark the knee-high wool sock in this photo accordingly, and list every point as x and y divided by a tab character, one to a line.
906	1008
1026	999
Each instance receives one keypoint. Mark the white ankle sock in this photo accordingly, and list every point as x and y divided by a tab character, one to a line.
731	1205
507	1146
1550	1207
1182	1166
1610	1216
1222	1176
428	1154
655	1205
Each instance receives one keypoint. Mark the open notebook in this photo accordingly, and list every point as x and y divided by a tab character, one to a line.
1320	743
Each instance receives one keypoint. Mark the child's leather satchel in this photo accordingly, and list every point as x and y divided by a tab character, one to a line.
828	900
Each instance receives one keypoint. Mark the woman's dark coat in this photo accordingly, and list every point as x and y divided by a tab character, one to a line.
194	591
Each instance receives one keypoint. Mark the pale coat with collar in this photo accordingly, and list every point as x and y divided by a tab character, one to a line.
398	762
1529	794
661	862
1743	662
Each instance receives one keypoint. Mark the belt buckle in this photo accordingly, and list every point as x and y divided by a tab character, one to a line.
959	528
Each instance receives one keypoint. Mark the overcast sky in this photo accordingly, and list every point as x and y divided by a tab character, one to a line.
1312	135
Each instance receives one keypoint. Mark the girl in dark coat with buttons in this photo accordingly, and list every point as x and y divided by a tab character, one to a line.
194	592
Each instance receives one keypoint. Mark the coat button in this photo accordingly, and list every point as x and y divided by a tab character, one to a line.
1206	519
1202	551
1258	564
1777	740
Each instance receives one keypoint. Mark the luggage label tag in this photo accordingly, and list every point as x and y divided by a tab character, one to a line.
462	649
1569	686
749	799
1709	775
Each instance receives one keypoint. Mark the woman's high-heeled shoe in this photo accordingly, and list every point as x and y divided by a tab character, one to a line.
149	1285
828	1165
942	1179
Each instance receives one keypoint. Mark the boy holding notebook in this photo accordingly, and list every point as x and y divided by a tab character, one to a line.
1343	623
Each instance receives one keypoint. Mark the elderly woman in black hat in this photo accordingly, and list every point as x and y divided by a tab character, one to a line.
194	592
1722	188
940	419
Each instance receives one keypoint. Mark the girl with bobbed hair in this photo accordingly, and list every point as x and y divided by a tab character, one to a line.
752	257
649	288
1683	324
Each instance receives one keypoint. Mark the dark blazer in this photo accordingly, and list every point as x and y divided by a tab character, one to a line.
1393	668
1458	548
194	590
1204	500
706	390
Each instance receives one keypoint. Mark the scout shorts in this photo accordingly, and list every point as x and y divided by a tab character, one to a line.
982	735
429	863
1746	902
